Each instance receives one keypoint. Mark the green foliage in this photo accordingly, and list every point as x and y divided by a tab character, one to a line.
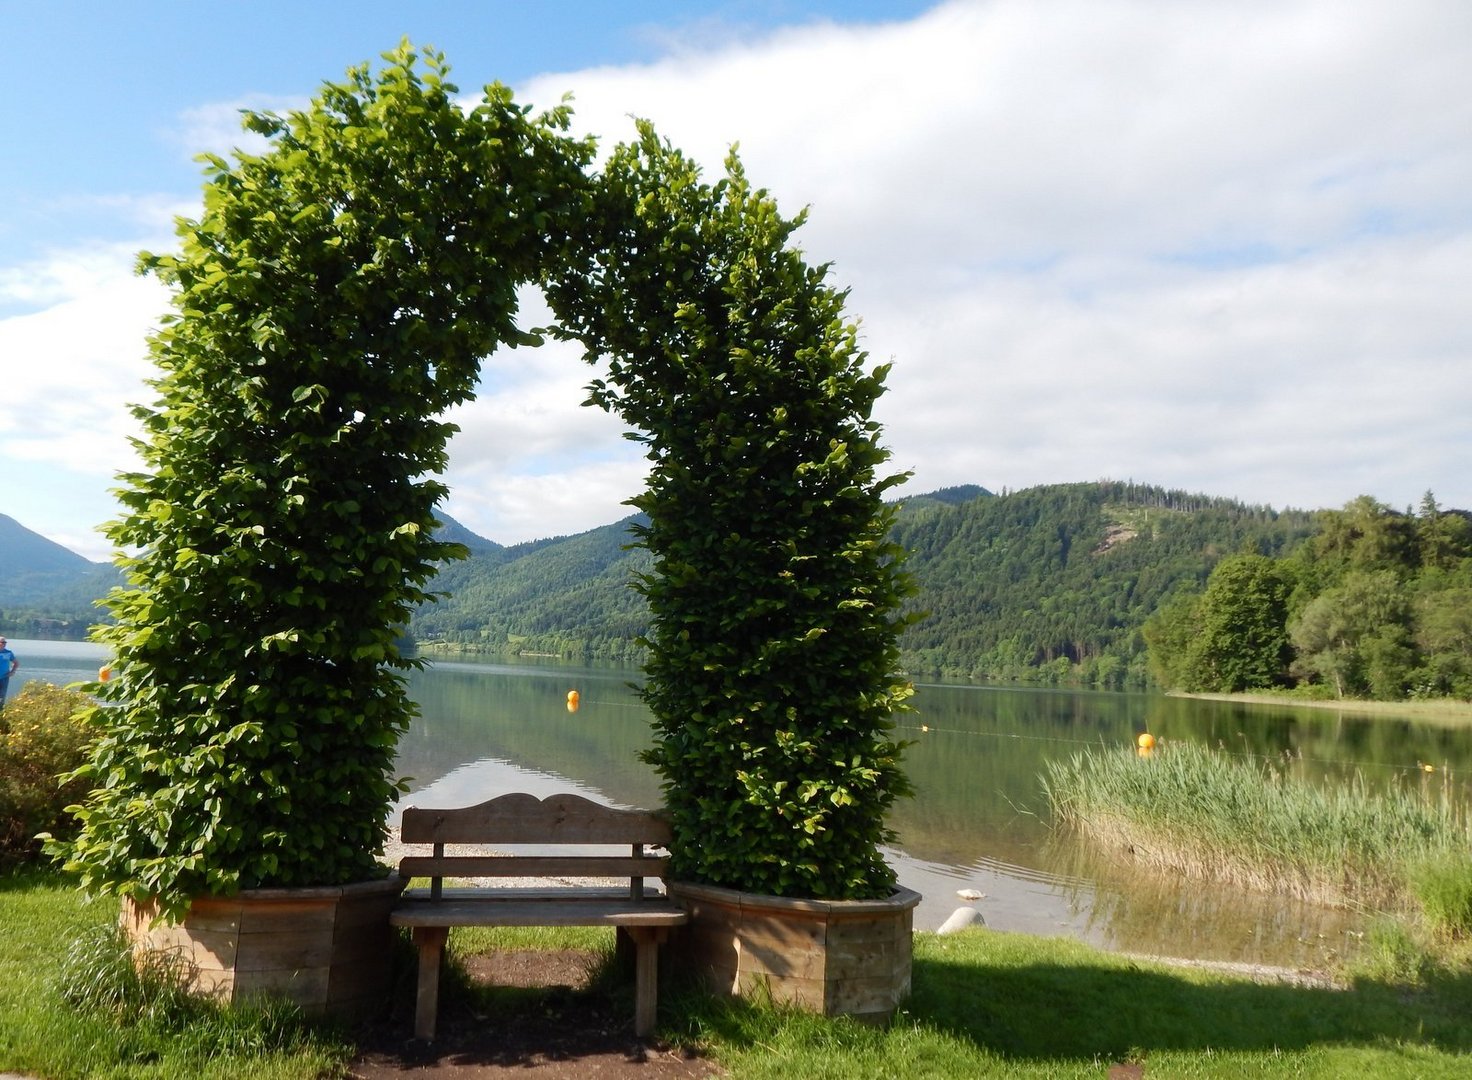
41	737
336	296
568	596
1055	583
1356	636
1240	638
775	591
1375	605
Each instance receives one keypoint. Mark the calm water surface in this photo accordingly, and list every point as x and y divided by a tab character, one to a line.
978	819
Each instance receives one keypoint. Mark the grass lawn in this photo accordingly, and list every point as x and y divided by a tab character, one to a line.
40	917
984	1004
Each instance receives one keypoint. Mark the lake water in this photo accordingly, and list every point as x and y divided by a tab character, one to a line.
978	820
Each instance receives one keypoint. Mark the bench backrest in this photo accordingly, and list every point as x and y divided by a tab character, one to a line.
524	819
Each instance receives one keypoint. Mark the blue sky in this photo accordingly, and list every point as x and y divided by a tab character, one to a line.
1216	246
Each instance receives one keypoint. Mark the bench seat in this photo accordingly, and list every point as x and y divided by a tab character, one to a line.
562	907
644	914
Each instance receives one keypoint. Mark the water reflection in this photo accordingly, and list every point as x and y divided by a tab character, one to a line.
978	821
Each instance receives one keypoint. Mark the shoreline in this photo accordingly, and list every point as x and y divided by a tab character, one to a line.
1442	710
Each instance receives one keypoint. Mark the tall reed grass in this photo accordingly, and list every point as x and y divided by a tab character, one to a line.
1190	810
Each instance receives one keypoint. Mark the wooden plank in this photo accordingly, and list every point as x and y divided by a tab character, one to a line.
430	942
869	929
845	957
271	917
589	866
216	984
535	913
210	949
810	994
283	950
646	979
218	915
300	984
520	818
548	893
366	981
366	912
861	996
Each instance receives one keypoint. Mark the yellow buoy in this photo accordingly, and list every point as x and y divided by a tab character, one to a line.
1146	741
104	673
573	699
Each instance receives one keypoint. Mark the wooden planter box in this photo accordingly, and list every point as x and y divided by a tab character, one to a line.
836	957
327	949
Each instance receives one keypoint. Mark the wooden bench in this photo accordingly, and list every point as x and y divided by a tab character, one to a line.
558	821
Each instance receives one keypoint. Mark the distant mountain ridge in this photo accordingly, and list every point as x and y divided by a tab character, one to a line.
1049	583
1052	582
33	568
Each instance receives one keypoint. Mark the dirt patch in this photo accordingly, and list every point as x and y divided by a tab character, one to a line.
543	1012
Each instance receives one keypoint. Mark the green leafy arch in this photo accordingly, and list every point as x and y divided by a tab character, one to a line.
335	296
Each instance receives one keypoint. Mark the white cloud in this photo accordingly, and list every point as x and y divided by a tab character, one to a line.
215	128
1212	246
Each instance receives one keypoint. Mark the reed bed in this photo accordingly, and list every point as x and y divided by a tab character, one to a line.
1190	810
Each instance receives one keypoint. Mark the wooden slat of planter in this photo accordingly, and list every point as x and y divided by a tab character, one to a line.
222	916
862	956
299	915
796	950
878	995
369	912
216	983
811	994
212	949
309	984
349	942
285	950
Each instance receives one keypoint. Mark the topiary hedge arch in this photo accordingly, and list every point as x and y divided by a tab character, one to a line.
335	296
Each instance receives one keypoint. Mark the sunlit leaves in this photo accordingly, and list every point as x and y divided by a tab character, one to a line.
336	294
775	594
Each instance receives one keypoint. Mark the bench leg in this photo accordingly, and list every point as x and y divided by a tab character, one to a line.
646	976
431	943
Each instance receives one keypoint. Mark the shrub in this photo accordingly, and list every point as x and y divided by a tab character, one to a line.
41	737
334	298
775	598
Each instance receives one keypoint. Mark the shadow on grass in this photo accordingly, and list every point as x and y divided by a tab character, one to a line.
26	875
581	1019
1112	1009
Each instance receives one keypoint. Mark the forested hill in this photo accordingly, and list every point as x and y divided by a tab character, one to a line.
1050	583
1053	583
567	596
46	590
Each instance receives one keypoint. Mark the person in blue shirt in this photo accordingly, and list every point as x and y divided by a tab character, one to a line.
8	667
